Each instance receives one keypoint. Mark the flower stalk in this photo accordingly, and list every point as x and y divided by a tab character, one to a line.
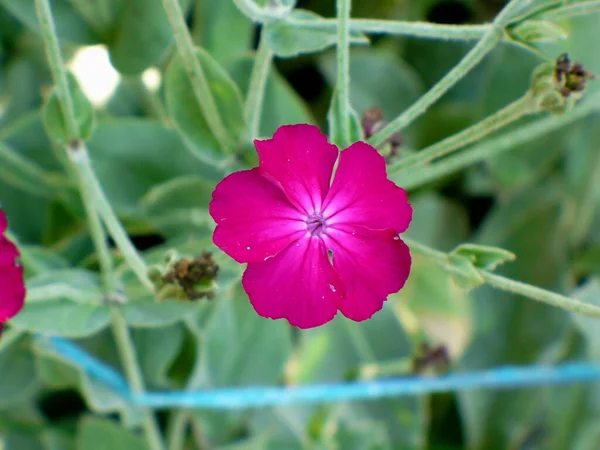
253	108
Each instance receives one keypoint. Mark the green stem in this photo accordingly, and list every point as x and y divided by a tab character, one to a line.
178	428
95	225
471	59
489	40
343	69
516	287
505	116
495	146
541	295
81	160
576	9
253	108
59	73
134	375
200	86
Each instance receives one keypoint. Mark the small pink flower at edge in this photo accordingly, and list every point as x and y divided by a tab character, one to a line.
12	286
314	247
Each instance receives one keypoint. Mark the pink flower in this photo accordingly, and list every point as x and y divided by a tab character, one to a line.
314	246
12	286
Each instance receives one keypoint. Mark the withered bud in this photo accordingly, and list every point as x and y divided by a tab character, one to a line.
373	122
194	276
571	76
436	358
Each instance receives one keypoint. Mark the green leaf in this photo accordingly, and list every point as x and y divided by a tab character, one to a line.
483	256
103	434
54	120
69	24
362	435
18	374
179	206
214	16
241	348
62	317
335	120
157	350
437	303
150	313
76	285
336	350
282	105
131	156
287	40
142	35
513	330
186	112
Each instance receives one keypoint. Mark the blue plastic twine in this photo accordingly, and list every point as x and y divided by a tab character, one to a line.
252	397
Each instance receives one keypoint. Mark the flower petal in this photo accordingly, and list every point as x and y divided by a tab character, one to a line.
12	291
361	193
255	221
372	264
3	222
300	160
298	284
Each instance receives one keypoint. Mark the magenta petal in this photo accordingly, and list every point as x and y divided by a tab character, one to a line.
3	222
255	221
12	291
301	161
298	284
361	193
371	264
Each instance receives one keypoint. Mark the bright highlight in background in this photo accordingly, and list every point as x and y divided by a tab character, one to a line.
96	76
152	78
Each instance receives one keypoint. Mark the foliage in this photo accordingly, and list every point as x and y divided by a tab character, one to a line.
502	174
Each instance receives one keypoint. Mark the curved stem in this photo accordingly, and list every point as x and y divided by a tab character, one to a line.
134	375
505	116
59	73
505	142
541	295
200	86
489	40
253	108
576	9
471	59
516	287
92	187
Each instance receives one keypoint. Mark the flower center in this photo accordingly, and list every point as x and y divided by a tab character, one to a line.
315	224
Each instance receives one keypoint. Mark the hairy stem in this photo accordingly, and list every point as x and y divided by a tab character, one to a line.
495	146
505	116
200	86
253	108
81	160
134	376
57	67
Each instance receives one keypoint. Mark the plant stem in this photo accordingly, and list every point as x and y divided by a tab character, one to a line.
257	14
576	9
178	429
253	108
200	86
495	146
95	225
59	73
471	59
385	369
343	69
81	160
541	295
134	375
489	40
505	116
516	287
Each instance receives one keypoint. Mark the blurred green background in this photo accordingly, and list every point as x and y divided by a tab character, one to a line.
540	201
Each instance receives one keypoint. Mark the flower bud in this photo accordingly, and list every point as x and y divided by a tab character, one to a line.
186	279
